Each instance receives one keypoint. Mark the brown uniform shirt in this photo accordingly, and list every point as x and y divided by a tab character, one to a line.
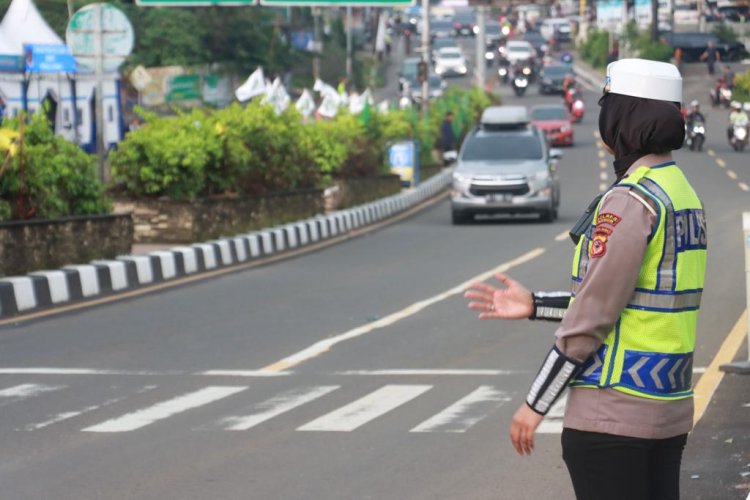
606	288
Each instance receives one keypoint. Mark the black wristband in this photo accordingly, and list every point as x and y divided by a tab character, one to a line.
551	381
549	306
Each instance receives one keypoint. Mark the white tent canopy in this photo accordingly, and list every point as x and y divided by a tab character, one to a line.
24	24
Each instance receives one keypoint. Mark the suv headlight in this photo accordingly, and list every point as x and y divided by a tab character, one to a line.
542	175
462	179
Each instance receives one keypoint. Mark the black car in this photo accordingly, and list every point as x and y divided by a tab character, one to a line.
693	44
464	24
551	78
537	41
441	28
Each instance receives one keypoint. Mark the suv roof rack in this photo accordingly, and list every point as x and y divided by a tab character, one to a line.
496	117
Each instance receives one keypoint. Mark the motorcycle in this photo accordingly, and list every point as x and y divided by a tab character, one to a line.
696	135
577	110
450	157
739	138
520	83
503	71
720	95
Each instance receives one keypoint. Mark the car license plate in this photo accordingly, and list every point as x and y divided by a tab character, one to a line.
499	197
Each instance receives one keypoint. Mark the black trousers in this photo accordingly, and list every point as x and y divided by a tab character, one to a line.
609	467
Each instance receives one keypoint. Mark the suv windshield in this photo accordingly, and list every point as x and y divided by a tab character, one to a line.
501	147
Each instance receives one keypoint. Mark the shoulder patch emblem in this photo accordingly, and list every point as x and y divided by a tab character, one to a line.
608	218
598	246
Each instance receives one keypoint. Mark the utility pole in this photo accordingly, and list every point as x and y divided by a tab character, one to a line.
426	53
318	44
481	69
349	42
99	97
654	20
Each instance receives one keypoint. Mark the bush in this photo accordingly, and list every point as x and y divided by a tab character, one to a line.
250	149
594	51
640	42
58	179
742	87
725	32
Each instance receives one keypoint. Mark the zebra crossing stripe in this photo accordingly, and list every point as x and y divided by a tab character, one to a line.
276	406
25	391
466	412
370	407
165	409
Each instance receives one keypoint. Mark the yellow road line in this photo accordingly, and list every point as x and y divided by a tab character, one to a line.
744	186
720	162
325	345
732	174
709	381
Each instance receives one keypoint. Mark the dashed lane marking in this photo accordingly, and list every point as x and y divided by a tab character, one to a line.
466	412
603	176
602	164
744	186
732	174
601	154
602	187
711	152
325	345
720	162
562	236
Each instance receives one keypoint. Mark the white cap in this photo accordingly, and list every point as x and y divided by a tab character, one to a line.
644	78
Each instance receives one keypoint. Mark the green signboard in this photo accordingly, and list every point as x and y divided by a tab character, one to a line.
337	3
184	88
194	3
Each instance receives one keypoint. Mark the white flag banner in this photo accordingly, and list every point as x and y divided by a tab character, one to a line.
384	107
367	97
254	86
277	96
356	103
329	107
305	104
324	89
380	34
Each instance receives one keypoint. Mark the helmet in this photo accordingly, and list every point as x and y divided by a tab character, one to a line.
735	105
694	104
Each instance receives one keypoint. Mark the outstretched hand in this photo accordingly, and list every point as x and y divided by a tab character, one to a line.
511	302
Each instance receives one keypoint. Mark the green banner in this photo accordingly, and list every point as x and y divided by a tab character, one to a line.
336	3
194	3
184	88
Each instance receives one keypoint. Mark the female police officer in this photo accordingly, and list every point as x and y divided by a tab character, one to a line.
627	333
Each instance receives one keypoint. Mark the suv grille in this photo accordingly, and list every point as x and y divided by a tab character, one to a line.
515	188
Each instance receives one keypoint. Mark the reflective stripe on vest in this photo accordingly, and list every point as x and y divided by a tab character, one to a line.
649	353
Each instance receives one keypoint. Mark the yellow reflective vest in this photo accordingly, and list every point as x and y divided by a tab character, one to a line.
649	352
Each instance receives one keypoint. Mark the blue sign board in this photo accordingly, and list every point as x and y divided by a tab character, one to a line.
49	59
303	40
11	63
403	158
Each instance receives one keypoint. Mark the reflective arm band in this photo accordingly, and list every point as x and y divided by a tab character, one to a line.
550	306
551	381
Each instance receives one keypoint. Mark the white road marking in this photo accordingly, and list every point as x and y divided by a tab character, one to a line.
164	409
325	345
602	164
711	152
466	412
427	372
25	391
699	369
562	236
743	186
553	421
732	174
70	414
242	373
602	187
276	406
370	407
76	371
596	134
603	176
600	154
720	162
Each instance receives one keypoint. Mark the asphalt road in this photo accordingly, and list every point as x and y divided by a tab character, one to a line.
353	372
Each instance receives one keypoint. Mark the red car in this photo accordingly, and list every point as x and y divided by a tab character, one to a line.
554	121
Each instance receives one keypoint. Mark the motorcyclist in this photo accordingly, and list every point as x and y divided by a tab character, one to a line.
737	117
716	91
695	114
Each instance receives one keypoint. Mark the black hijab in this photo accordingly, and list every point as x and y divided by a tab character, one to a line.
634	127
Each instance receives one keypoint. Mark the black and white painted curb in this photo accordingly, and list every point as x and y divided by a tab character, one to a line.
44	289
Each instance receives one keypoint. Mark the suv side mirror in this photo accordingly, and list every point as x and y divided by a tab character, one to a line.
555	154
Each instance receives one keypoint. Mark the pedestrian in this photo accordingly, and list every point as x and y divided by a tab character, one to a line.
729	76
447	136
711	55
627	333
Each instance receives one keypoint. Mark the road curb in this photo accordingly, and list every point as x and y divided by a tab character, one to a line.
20	295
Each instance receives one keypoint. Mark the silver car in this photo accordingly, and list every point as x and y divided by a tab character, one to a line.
505	166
